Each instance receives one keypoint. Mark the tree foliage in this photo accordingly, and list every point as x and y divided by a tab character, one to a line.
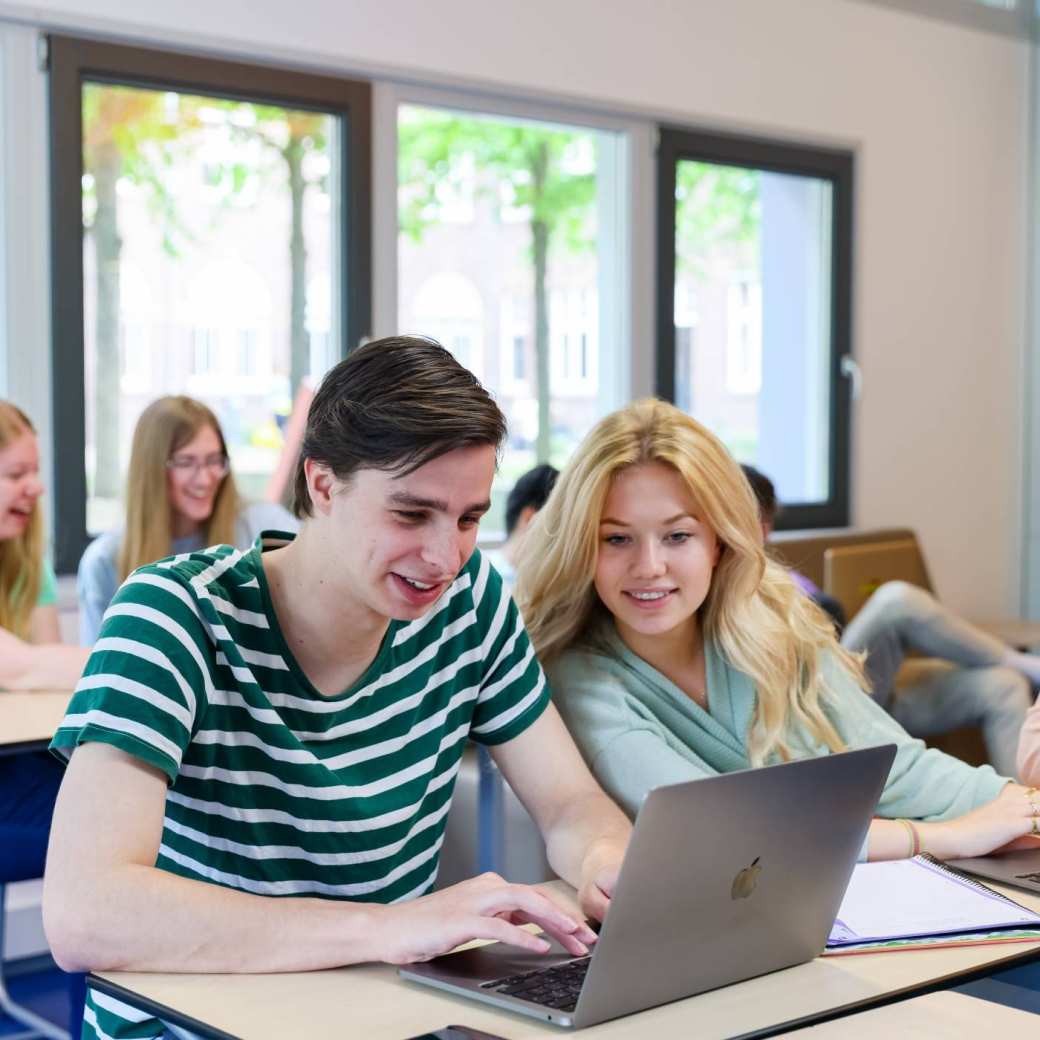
147	138
716	207
539	169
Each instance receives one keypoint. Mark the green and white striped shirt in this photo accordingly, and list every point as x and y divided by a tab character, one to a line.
275	789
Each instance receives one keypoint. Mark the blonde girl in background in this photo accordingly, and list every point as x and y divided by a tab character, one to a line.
30	657
180	497
676	649
31	654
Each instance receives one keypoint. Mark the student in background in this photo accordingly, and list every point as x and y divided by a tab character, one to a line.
969	679
180	497
527	496
768	507
676	649
31	654
264	744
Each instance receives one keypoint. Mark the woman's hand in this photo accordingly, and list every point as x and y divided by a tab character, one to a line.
484	907
1004	823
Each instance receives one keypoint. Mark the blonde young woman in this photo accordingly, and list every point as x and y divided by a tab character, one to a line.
676	650
180	497
30	652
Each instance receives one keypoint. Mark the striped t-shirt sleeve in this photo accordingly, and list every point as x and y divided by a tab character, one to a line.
513	691
144	686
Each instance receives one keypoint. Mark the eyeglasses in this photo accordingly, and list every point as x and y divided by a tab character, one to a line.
185	465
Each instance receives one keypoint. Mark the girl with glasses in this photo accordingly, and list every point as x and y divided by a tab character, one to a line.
180	497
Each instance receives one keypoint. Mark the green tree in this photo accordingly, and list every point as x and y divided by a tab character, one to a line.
290	135
525	163
140	136
716	207
128	135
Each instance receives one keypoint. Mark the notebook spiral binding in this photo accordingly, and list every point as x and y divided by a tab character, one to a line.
966	878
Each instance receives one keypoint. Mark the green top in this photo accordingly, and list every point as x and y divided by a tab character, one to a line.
48	595
48	587
638	730
275	789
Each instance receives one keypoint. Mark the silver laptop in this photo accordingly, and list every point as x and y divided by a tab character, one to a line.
1020	868
724	879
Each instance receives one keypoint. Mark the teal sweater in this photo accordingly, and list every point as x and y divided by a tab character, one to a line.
638	730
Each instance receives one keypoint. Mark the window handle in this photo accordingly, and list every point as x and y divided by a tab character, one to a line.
851	371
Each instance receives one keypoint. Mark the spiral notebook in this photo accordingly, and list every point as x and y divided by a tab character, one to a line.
907	898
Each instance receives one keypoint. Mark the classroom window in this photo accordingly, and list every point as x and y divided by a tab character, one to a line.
754	255
499	246
222	214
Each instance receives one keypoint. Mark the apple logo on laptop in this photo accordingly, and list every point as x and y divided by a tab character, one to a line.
745	881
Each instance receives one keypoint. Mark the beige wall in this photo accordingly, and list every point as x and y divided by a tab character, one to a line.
936	113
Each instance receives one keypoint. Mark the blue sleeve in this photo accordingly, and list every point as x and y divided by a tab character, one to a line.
95	585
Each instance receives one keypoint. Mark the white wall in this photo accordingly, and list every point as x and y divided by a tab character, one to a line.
937	114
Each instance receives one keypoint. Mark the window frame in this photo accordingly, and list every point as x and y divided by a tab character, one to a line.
834	165
74	60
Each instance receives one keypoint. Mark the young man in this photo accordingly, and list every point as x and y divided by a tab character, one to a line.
288	721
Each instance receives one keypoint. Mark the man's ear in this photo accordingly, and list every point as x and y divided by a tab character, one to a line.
321	485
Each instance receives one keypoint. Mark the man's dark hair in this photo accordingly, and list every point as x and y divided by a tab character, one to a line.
764	491
394	404
532	489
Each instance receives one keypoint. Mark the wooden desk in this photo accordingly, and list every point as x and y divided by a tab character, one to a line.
370	1001
29	720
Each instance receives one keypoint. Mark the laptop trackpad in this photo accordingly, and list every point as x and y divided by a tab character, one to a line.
488	963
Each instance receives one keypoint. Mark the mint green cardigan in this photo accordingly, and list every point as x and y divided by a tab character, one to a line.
638	730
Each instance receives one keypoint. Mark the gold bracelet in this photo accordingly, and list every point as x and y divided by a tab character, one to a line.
913	835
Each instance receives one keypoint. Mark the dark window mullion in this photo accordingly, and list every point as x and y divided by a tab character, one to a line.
677	144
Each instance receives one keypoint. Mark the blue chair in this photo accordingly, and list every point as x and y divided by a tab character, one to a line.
28	787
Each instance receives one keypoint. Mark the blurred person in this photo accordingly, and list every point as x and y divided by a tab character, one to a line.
31	656
31	653
768	507
970	678
677	649
527	496
180	497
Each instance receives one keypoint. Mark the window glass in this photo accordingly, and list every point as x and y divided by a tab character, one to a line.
753	317
208	269
498	259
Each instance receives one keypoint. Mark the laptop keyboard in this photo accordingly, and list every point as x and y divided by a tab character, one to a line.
556	987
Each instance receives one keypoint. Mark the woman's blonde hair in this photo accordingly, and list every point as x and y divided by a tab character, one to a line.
164	427
21	558
759	620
